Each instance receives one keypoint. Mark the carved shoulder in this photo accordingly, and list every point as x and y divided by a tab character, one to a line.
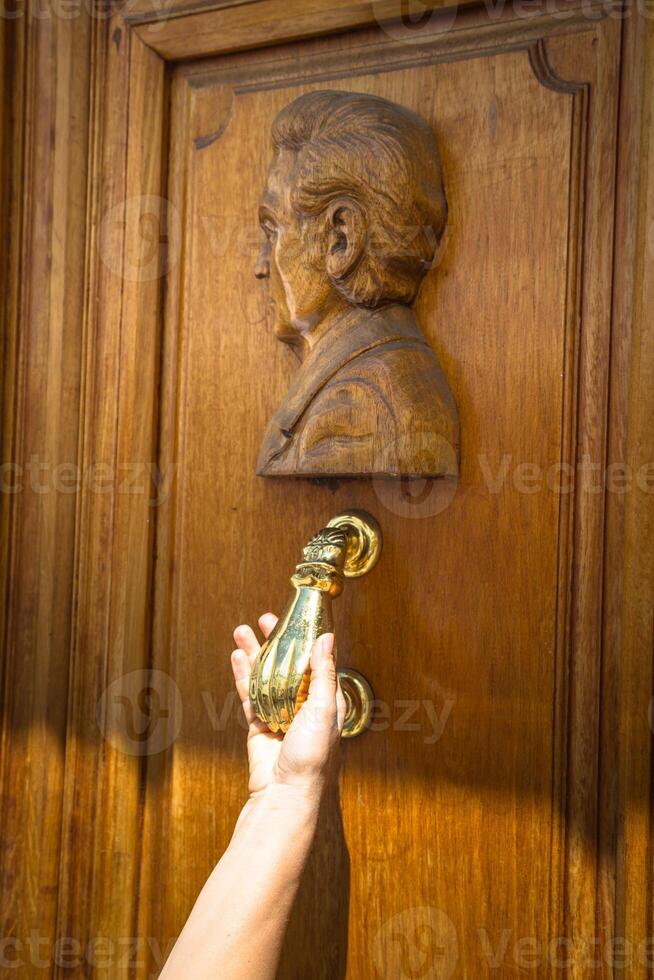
344	427
390	414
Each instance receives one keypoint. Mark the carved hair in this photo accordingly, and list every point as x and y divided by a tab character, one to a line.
384	157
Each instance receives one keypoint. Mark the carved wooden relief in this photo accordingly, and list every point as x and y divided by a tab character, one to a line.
353	213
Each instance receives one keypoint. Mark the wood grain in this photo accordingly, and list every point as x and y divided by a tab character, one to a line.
338	14
626	884
601	61
46	161
102	804
505	796
267	22
496	654
226	28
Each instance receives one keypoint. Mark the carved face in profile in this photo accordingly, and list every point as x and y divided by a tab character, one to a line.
352	213
353	208
300	292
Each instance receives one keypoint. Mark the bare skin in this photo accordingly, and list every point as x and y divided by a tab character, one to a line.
237	925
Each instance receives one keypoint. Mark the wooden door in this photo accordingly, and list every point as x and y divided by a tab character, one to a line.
494	820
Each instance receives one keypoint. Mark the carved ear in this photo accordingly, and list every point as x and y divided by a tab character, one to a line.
347	237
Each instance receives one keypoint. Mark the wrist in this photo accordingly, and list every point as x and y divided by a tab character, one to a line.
277	823
291	810
300	799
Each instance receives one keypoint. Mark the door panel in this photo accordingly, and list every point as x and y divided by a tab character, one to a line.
461	628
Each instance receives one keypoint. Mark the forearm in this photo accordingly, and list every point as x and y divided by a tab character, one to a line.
237	925
236	928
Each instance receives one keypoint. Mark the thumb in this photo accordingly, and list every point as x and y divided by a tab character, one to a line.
323	684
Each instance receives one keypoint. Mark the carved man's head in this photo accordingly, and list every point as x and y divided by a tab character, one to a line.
354	206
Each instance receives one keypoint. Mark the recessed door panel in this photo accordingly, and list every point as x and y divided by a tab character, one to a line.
450	802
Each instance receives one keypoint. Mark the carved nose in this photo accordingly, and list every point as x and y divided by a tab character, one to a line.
262	268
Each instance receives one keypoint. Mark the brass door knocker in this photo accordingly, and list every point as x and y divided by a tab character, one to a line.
349	546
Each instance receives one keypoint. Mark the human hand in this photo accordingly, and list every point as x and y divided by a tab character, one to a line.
300	759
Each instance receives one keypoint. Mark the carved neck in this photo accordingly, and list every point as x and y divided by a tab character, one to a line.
393	319
307	337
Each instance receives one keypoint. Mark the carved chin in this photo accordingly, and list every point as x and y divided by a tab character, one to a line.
286	332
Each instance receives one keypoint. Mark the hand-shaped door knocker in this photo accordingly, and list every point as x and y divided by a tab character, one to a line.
347	547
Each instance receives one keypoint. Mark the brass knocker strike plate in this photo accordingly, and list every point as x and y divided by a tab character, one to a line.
364	541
